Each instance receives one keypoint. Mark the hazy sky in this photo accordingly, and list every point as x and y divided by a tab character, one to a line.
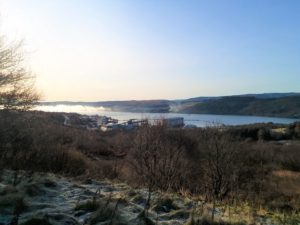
145	49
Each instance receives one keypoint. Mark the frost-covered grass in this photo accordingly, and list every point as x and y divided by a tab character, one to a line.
48	199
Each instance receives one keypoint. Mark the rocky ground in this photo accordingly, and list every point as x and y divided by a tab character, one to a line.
46	199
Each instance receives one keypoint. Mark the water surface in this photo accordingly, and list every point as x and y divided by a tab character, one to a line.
195	119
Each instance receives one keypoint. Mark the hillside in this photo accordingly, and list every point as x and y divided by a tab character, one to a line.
248	105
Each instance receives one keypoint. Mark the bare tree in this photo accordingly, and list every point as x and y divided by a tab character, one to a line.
157	160
219	164
16	82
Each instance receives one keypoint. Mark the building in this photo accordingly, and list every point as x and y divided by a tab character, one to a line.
131	124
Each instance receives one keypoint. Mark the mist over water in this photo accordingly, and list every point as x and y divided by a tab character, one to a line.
199	120
81	109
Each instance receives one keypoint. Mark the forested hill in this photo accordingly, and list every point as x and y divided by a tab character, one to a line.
247	105
268	104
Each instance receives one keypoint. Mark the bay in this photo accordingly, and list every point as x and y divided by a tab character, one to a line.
199	120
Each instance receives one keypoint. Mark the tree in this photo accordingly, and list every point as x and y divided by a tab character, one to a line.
219	164
16	81
157	160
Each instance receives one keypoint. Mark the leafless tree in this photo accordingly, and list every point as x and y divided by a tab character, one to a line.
16	81
219	164
156	160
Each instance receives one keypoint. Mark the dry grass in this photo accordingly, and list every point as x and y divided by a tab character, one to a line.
287	181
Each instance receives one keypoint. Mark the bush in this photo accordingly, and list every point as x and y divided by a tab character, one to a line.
291	164
28	144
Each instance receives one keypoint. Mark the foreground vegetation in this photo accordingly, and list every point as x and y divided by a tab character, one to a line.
234	174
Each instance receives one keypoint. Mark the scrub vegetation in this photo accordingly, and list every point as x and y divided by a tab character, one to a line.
227	174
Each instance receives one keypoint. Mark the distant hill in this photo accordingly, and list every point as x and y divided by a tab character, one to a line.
267	104
247	105
260	96
272	95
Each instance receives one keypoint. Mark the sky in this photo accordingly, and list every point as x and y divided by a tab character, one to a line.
95	50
